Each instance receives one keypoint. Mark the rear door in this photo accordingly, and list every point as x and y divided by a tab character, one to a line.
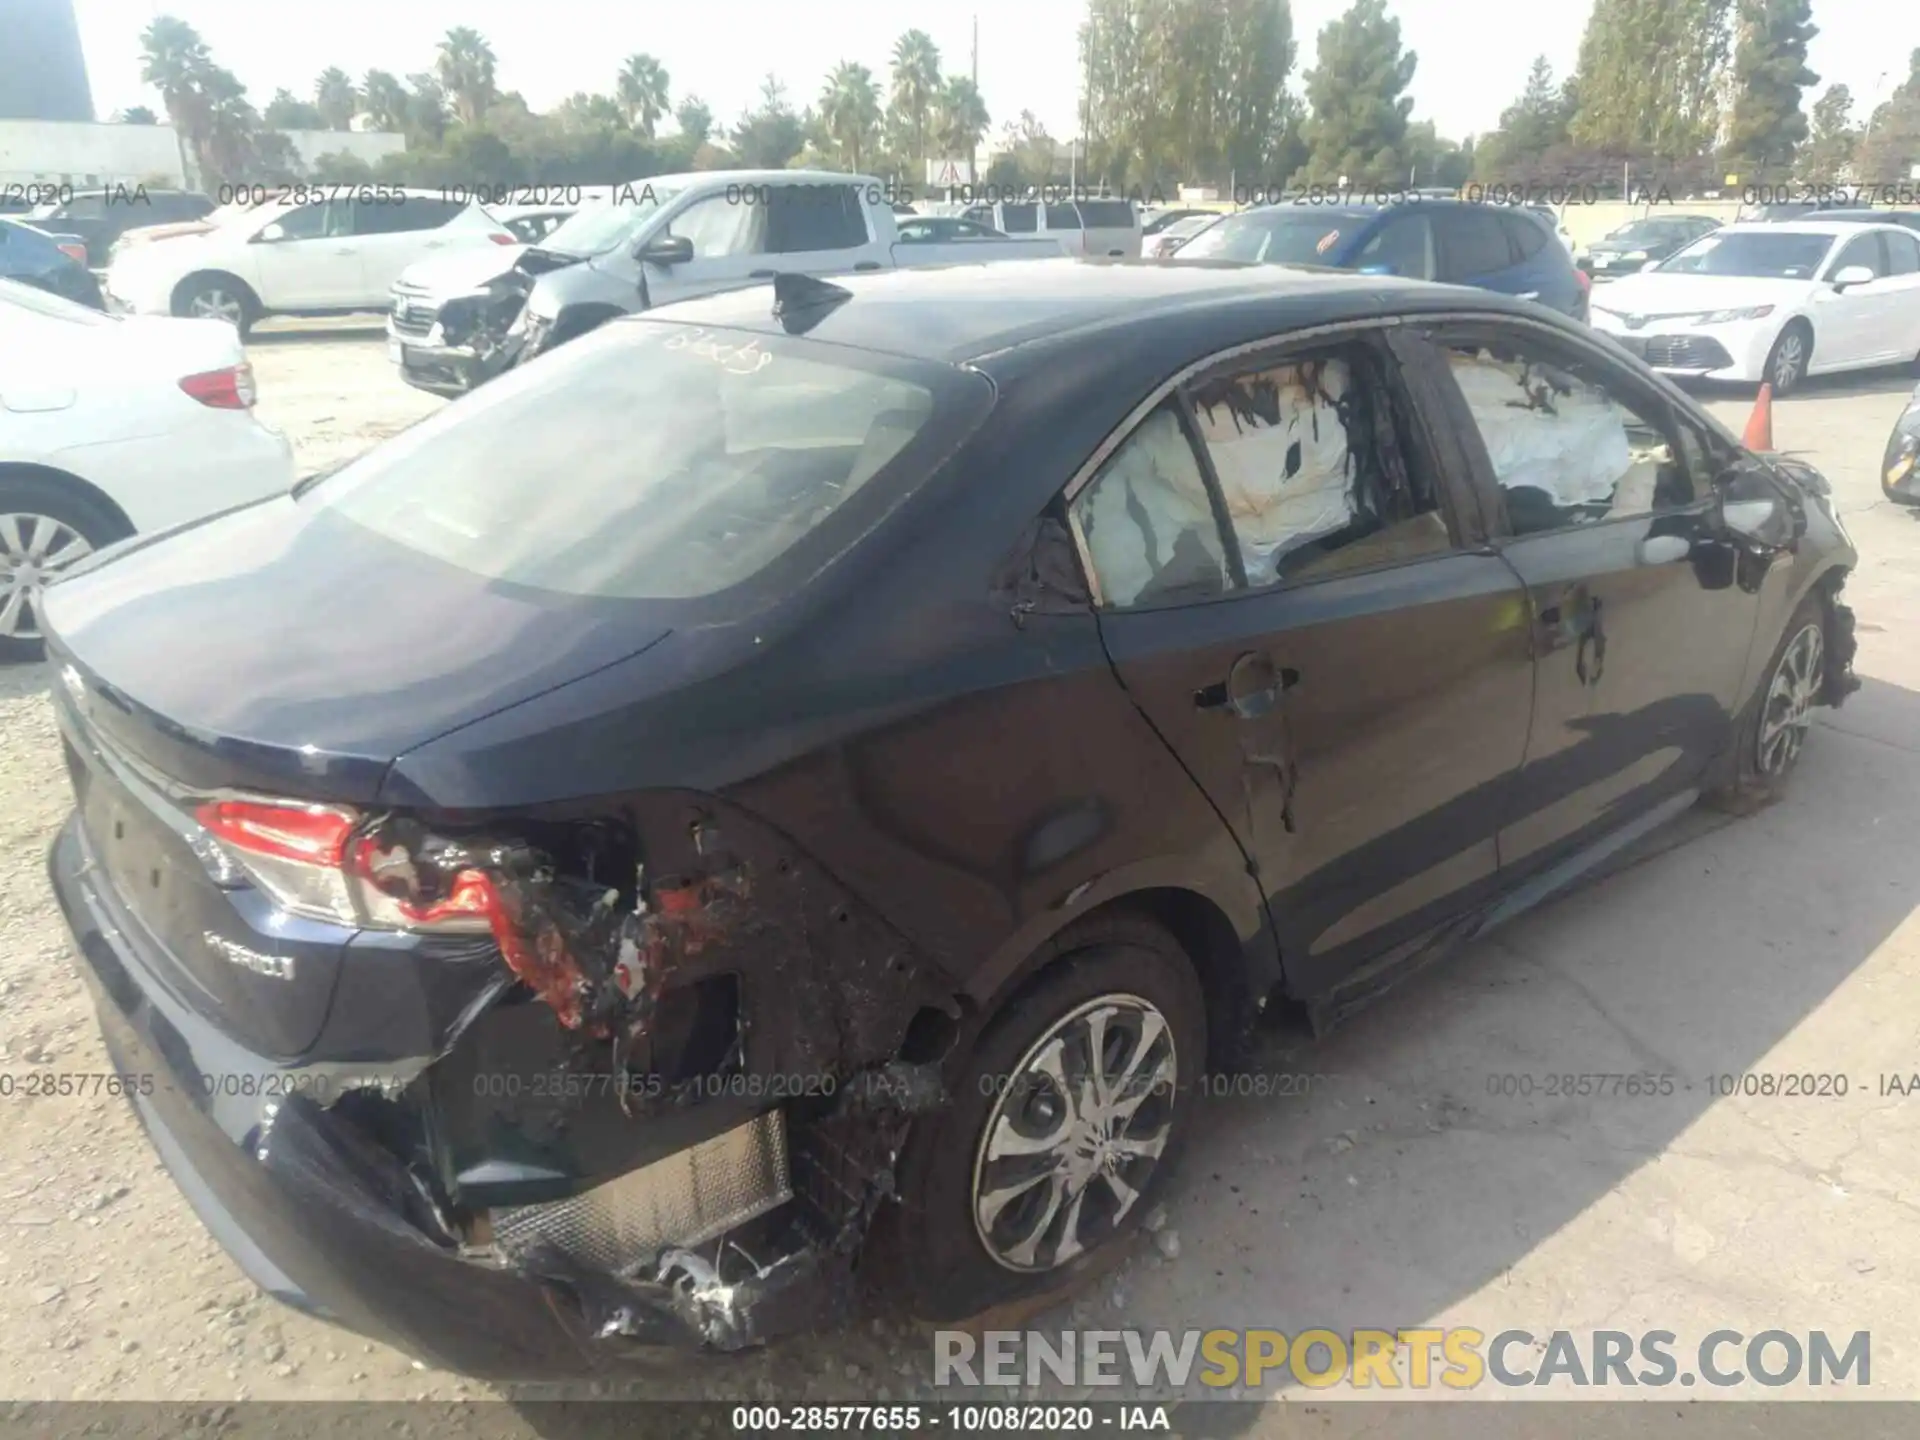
1061	221
1903	289
392	232
1601	497
1294	597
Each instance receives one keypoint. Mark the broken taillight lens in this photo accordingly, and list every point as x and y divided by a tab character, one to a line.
312	861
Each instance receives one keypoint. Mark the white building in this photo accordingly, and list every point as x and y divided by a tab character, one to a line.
54	152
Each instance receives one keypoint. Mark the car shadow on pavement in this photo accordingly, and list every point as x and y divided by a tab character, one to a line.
20	679
1399	1171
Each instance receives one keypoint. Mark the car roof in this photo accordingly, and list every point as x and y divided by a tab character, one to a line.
1162	309
1802	226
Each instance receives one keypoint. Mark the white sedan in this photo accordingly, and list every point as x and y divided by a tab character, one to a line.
113	426
1773	303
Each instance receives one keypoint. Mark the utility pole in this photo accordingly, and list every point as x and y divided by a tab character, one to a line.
976	52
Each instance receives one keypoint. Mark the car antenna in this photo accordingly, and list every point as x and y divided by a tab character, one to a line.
795	293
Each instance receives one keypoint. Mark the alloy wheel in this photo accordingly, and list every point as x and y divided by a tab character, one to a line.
33	549
214	303
1789	704
1788	358
1075	1134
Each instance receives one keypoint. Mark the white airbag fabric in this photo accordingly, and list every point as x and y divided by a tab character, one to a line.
1577	452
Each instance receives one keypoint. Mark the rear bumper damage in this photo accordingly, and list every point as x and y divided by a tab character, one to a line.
385	1197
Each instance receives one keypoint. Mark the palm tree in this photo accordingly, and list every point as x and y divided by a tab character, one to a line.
336	99
961	119
466	72
642	92
174	60
850	110
386	100
916	80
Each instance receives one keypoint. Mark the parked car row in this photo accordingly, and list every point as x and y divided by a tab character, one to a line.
871	746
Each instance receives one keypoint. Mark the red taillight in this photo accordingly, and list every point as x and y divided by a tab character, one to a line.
500	239
229	389
1585	281
74	252
312	834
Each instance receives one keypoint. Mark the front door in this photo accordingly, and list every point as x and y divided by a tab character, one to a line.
1287	595
307	258
1603	501
729	238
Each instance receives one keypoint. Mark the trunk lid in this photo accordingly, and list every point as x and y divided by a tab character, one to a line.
283	650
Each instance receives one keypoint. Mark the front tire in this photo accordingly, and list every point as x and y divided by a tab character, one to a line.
1772	730
44	529
1787	362
1066	1116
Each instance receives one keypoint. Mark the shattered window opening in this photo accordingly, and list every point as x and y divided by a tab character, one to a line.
1565	450
1313	471
1148	521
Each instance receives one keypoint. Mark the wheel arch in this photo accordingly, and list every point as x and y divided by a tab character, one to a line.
89	492
1234	957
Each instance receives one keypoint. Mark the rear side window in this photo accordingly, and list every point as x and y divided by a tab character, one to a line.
396	216
1020	219
1107	214
1403	246
646	461
1471	241
814	217
1062	217
1147	522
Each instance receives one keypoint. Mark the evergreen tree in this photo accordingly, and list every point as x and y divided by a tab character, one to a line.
1358	123
1769	72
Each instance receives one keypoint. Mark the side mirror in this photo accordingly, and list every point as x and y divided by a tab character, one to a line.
1853	275
273	232
1754	511
667	250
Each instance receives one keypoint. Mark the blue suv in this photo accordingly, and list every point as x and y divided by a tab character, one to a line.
1495	247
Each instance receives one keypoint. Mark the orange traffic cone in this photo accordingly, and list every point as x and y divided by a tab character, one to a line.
1759	434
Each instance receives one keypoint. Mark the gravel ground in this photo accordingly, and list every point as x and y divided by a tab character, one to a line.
110	1288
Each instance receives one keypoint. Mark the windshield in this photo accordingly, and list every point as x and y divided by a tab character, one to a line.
1274	237
599	226
645	461
1783	255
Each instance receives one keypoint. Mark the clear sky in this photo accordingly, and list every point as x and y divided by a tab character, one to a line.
1473	53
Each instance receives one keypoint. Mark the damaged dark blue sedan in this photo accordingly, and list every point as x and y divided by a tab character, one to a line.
786	798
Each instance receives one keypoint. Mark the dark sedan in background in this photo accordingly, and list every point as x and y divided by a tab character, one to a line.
853	756
1640	243
100	217
55	263
1504	248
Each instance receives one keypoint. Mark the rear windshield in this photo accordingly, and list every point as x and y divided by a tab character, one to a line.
1107	214
1784	255
1275	237
647	460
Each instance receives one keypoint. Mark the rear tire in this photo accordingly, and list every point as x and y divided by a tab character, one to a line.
1788	360
990	1186
217	297
1771	731
44	527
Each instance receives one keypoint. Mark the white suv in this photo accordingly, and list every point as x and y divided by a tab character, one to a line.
330	255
